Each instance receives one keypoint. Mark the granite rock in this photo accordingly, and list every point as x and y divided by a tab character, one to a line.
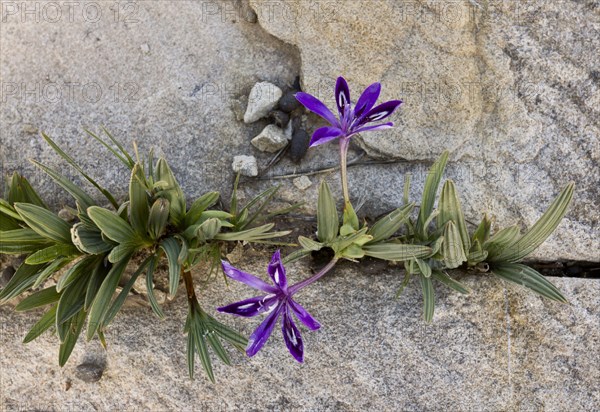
501	348
271	139
166	75
262	99
510	88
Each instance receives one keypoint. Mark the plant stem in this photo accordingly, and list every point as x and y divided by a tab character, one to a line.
189	285
315	277
344	143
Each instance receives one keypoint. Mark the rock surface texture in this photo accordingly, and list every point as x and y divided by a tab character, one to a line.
497	349
512	89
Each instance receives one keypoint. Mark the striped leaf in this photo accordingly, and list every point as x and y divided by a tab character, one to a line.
44	222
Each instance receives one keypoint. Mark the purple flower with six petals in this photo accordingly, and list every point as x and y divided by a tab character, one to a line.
352	119
276	303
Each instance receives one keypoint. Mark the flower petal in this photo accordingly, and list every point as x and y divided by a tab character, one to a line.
316	106
324	135
342	94
277	271
260	336
250	307
247	278
292	337
303	315
381	112
373	128
367	99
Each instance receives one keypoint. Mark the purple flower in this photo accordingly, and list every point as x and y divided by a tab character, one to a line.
276	303
352	119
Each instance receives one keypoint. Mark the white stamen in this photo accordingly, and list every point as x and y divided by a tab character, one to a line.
292	336
379	116
277	275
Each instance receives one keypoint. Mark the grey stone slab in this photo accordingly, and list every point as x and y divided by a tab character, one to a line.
510	88
500	348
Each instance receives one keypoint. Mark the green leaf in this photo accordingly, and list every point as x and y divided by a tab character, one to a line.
42	325
50	270
88	240
477	254
218	348
138	202
23	278
20	191
209	229
352	252
327	216
103	297
159	216
448	281
309	244
385	227
123	156
21	241
81	268
122	251
525	276
78	194
428	298
191	353
72	162
120	300
430	190
252	235
404	282
59	250
349	216
244	219
172	249
406	190
75	328
482	233
424	267
44	222
70	303
502	239
452	248
202	350
540	231
150	288
450	209
200	205
228	334
172	192
396	251
99	273
38	299
112	225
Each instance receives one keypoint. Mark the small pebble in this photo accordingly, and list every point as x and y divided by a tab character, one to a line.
299	145
279	118
288	102
270	140
246	165
145	48
302	182
262	99
89	371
